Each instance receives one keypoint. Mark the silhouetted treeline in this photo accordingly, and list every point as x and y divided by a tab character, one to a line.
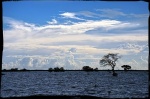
56	69
15	69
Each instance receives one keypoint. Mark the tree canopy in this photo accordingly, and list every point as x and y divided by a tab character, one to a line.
110	59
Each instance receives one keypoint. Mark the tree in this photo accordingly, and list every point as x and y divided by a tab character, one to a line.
61	69
50	69
126	67
14	69
56	69
95	69
23	69
87	68
110	60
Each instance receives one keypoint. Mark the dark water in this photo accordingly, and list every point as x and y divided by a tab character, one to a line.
101	84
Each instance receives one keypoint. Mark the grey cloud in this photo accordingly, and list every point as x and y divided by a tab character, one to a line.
73	49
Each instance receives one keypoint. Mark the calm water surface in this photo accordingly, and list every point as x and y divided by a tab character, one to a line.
101	84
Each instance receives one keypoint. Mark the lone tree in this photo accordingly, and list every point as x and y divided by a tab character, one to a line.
126	67
110	59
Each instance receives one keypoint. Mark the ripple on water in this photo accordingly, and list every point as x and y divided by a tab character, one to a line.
130	84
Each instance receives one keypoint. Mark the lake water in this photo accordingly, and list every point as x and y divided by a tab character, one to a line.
97	83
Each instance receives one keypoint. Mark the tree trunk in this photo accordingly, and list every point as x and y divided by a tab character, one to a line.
114	74
113	70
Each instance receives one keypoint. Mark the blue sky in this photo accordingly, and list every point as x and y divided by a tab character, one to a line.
40	12
71	34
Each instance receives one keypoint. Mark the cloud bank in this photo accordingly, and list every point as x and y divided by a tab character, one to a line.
76	43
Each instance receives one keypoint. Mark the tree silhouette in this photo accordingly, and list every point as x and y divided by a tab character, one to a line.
61	68
23	69
95	69
87	68
110	60
14	69
126	67
50	69
56	69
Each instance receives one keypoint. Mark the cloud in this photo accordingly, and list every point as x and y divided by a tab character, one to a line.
138	15
29	29
54	21
73	50
70	45
116	13
110	13
87	14
70	15
144	59
107	13
70	57
54	37
102	13
131	46
69	60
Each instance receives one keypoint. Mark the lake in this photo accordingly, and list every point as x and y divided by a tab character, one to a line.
96	83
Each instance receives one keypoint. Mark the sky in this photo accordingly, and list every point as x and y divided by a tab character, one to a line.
45	34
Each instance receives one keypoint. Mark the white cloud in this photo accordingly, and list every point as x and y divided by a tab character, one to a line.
68	45
54	21
74	28
72	56
70	15
69	60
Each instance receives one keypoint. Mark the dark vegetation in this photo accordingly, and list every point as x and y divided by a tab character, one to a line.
110	60
126	67
15	69
88	68
56	69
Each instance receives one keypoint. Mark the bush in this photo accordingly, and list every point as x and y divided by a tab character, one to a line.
87	68
56	69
